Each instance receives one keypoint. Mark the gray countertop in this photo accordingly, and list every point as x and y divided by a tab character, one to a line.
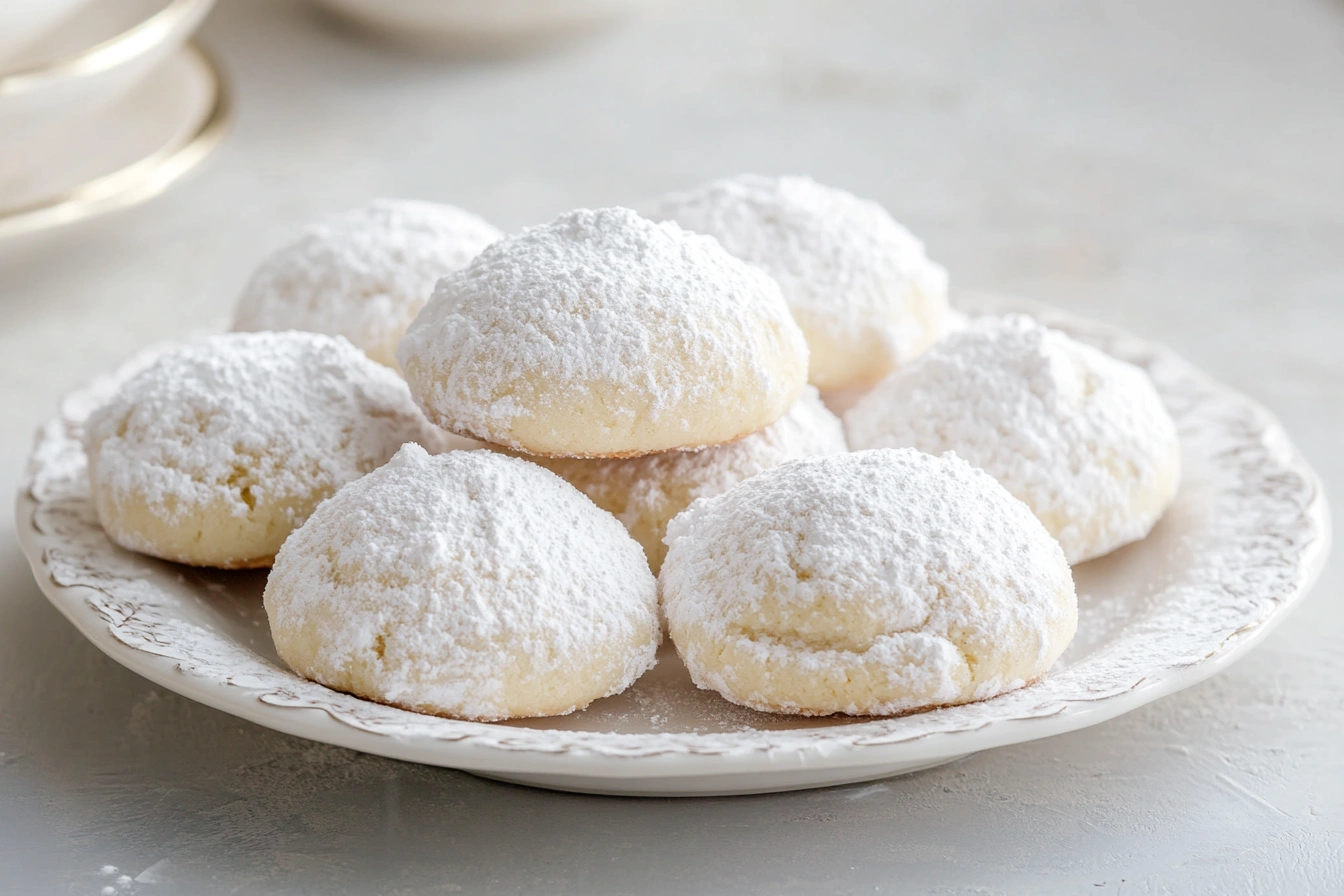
1175	168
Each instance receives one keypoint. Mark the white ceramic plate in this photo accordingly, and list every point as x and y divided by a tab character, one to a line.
1241	545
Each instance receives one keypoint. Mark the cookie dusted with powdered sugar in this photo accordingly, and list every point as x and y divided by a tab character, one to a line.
603	334
645	493
1079	436
870	583
214	452
471	585
364	273
860	285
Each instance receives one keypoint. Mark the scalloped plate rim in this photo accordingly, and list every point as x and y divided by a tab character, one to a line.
70	601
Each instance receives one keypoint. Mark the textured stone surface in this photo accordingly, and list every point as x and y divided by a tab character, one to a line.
1171	167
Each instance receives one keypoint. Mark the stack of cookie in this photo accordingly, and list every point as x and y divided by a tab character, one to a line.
639	361
653	393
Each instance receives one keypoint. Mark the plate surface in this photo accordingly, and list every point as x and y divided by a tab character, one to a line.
1241	545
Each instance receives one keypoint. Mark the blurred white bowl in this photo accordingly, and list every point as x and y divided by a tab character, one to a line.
480	23
123	153
24	21
92	60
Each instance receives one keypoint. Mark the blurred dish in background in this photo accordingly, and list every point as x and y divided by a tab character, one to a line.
24	21
120	154
77	106
481	25
110	47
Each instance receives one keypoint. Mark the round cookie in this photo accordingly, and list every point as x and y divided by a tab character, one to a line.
216	451
839	401
471	585
645	493
603	334
364	273
859	284
871	583
1082	438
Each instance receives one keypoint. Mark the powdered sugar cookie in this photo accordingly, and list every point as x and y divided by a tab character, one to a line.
603	334
871	583
214	452
645	493
1079	436
471	585
839	401
860	285
363	274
